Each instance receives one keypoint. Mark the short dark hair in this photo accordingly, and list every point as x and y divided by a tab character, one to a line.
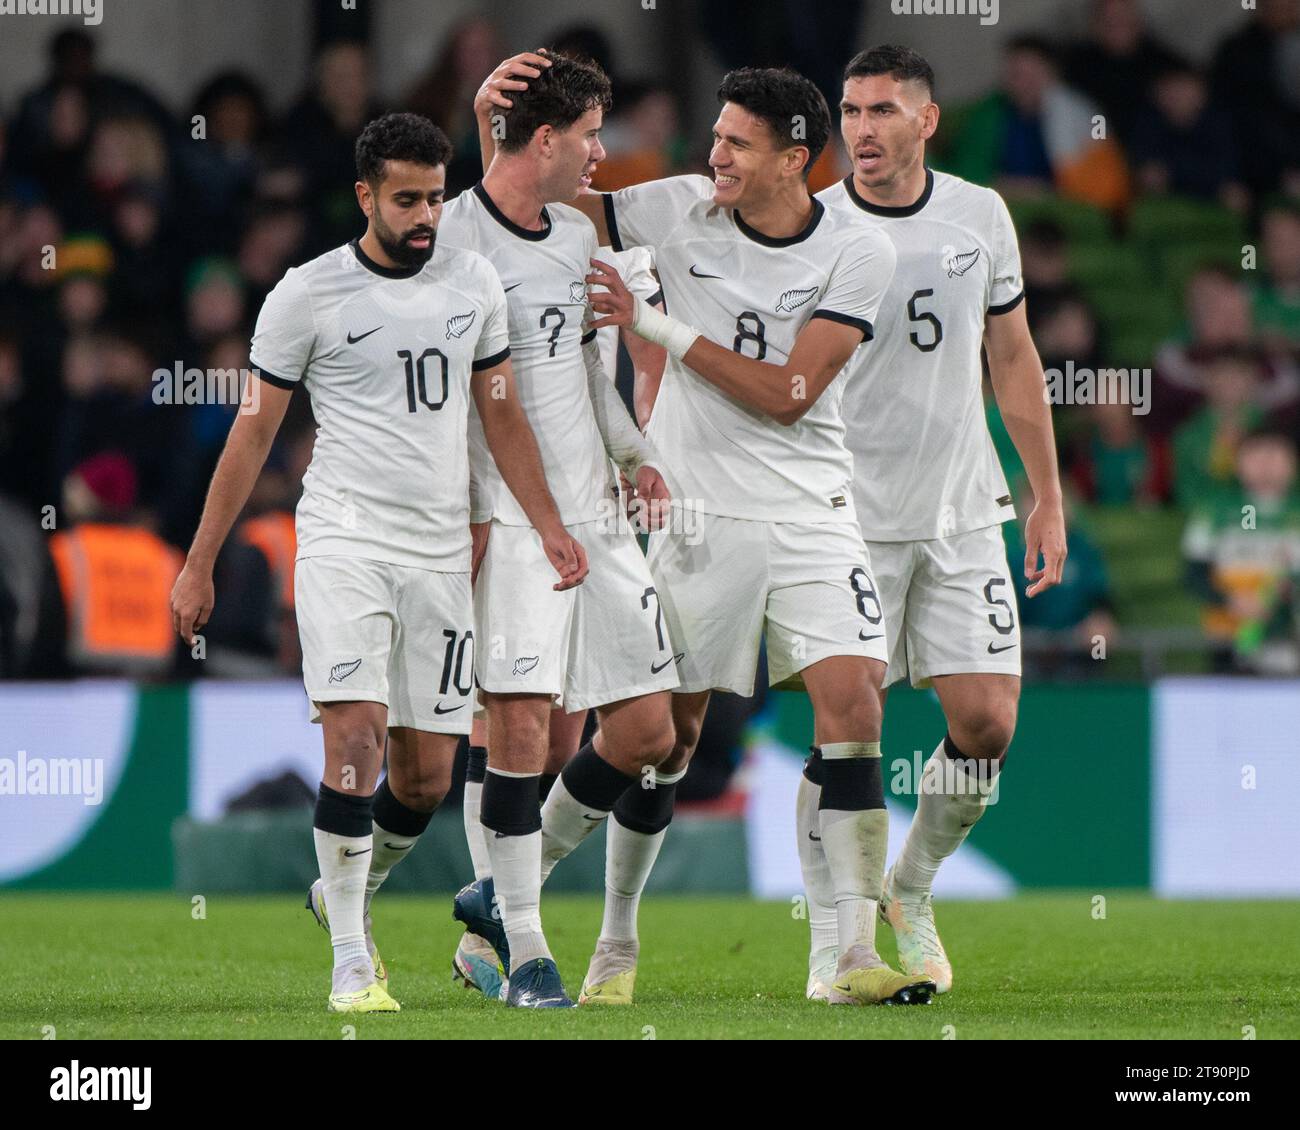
781	98
1035	44
558	97
399	137
900	63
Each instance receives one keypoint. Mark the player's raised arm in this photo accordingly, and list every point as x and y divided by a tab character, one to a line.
514	449
784	392
1018	386
241	462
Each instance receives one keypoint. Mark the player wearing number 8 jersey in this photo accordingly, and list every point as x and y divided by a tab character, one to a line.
931	495
779	294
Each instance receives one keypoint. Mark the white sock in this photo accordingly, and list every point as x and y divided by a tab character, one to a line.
516	872
629	858
949	805
344	863
565	824
855	842
816	870
474	830
389	850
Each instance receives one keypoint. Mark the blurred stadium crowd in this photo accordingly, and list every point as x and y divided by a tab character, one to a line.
133	240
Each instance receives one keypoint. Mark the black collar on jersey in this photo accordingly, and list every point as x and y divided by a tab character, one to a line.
819	209
509	224
880	209
379	269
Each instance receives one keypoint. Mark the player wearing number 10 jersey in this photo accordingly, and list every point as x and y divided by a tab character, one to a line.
930	494
391	335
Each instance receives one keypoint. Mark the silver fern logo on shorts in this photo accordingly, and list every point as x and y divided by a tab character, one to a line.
457	324
525	663
341	671
793	299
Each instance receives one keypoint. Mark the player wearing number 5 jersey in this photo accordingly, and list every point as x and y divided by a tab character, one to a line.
930	494
392	335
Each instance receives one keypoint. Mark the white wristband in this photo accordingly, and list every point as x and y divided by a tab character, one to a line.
676	337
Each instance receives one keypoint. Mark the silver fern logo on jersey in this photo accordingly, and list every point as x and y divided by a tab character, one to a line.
956	262
524	664
793	299
457	324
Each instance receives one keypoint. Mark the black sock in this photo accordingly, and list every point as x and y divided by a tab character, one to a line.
646	810
594	782
511	805
393	816
341	814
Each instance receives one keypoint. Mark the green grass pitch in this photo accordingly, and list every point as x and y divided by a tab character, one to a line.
1037	967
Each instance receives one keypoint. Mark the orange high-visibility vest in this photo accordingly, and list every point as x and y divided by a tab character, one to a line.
116	583
274	535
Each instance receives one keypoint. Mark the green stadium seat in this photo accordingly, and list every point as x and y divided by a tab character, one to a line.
1110	264
1167	221
1080	222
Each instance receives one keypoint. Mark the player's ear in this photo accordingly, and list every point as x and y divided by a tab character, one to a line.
365	198
929	121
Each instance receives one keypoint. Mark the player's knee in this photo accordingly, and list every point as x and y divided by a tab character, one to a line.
856	720
422	791
357	745
986	733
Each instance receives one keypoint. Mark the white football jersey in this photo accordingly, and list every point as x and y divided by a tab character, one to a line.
636	267
544	274
752	293
924	465
386	356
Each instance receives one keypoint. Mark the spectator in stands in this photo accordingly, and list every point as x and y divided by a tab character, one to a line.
1116	463
144	251
32	628
1114	65
1254	79
214	303
446	94
1077	610
272	242
641	137
1205	447
1044	263
1065	330
1275	297
1242	548
1219	318
1036	134
1182	146
220	166
115	576
320	136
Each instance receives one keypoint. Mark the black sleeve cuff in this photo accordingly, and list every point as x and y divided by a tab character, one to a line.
1007	307
590	335
847	320
278	382
656	298
488	362
611	222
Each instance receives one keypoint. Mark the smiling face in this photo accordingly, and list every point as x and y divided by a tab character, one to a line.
570	155
748	164
404	208
885	124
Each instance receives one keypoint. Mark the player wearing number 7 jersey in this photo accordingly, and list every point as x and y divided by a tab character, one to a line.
930	494
392	335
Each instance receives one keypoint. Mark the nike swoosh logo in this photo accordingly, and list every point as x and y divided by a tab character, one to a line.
397	847
439	710
594	818
350	853
815	839
994	650
697	274
512	287
499	835
353	340
865	638
656	668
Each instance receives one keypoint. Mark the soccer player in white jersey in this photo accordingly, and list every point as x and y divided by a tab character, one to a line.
748	418
604	646
930	494
391	335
